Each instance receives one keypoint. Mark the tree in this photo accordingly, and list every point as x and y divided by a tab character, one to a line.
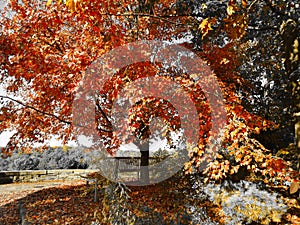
272	41
46	49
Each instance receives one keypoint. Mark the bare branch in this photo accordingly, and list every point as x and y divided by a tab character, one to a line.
104	115
257	28
162	18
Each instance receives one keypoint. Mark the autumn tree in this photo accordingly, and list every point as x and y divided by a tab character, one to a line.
46	49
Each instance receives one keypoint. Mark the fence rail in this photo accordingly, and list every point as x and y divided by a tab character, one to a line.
132	164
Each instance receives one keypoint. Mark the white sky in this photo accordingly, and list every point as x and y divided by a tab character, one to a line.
4	136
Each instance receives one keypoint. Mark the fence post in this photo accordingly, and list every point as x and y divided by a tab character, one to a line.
297	137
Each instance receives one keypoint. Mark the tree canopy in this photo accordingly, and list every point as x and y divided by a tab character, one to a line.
251	47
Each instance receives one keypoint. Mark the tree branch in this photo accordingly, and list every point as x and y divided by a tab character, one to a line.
262	28
105	117
35	109
163	17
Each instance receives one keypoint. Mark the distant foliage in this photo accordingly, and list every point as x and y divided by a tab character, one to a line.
53	158
244	203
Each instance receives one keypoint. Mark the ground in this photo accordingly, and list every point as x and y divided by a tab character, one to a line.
71	202
54	202
59	202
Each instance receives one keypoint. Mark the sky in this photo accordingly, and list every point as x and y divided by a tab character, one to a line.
4	135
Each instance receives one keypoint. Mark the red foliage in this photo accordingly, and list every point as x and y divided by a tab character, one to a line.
45	49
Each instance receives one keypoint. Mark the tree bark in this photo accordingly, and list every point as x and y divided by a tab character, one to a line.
144	173
289	33
297	134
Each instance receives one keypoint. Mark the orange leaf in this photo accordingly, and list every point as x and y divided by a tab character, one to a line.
294	187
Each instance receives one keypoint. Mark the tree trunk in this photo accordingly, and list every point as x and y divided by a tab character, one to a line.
144	173
289	33
297	134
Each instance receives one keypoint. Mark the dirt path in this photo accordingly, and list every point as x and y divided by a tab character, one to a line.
10	192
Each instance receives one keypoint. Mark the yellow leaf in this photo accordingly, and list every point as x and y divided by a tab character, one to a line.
203	24
219	156
257	129
49	2
276	217
72	4
224	61
65	148
283	152
205	27
230	10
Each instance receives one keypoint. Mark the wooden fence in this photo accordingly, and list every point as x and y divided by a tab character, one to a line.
123	165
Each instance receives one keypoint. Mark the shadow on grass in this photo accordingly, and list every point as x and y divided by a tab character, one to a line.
57	205
159	204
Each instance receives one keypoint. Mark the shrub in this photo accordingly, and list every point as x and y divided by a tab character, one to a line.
115	206
52	158
244	202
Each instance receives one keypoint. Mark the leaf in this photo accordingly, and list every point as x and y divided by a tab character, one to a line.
244	3
230	10
71	4
236	25
49	2
294	187
205	27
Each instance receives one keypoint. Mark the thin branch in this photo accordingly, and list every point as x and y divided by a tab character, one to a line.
162	18
35	109
105	117
103	130
155	16
251	5
262	28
